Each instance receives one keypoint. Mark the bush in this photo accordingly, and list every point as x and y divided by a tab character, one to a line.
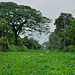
3	44
13	48
70	48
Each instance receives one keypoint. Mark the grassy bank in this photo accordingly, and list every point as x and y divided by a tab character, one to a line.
37	63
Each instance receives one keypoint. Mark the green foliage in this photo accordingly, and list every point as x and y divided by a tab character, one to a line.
53	41
70	48
5	31
70	36
63	22
30	43
10	37
3	44
37	62
4	28
13	48
23	19
64	18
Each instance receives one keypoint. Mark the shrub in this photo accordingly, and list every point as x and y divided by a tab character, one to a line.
3	44
70	48
13	48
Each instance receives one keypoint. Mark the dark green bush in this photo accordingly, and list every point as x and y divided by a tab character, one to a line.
70	48
3	44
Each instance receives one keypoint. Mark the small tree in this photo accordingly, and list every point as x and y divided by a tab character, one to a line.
4	28
3	44
53	41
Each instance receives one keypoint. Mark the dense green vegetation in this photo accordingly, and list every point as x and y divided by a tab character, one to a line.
16	20
37	62
23	56
23	19
64	34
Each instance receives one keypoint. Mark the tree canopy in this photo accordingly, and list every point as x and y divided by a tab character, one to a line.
23	19
64	18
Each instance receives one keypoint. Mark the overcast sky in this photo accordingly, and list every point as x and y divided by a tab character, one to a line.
49	8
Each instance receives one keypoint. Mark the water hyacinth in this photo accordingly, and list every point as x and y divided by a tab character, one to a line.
40	54
48	60
37	63
31	74
28	56
47	51
42	66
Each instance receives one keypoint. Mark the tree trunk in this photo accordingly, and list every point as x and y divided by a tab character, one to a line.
15	35
16	39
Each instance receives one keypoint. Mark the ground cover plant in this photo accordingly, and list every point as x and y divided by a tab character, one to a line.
37	62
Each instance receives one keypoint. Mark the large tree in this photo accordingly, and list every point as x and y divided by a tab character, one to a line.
23	19
61	23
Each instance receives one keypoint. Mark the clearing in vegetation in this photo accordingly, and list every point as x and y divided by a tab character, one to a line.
37	62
